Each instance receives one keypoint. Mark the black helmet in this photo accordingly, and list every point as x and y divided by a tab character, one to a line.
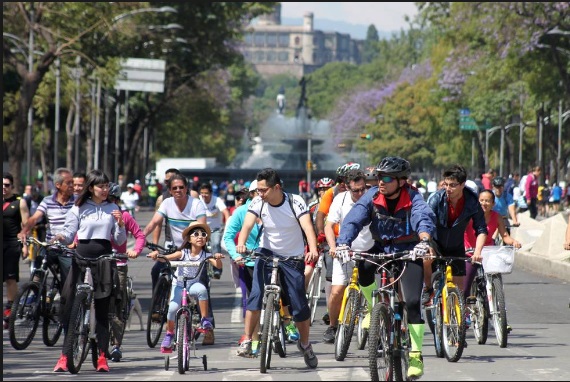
498	181
114	190
394	166
371	173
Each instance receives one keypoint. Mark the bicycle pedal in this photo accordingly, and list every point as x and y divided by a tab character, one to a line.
471	300
165	350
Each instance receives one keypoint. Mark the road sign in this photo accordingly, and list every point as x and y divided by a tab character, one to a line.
466	121
140	74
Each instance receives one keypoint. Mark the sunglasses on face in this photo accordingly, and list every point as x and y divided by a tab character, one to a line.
199	234
386	179
358	190
176	188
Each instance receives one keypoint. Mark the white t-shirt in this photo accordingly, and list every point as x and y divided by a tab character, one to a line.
129	200
341	204
214	215
179	220
281	230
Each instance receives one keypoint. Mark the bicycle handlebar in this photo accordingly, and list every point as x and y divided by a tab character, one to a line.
184	263
258	255
161	249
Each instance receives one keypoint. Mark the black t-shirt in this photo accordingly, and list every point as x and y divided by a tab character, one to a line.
11	218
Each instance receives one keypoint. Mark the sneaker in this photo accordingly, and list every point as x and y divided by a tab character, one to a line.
241	339
467	320
61	365
208	338
244	349
366	321
7	313
310	357
167	341
330	335
427	295
116	354
217	273
326	319
205	326
416	365
292	332
254	348
102	366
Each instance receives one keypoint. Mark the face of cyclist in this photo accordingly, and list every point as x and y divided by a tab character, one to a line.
267	193
99	192
357	189
206	195
498	190
453	188
487	201
66	186
389	186
321	191
177	189
7	188
78	184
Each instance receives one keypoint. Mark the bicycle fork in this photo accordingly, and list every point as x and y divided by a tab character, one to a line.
89	318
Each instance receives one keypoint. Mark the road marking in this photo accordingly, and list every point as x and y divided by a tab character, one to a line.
237	314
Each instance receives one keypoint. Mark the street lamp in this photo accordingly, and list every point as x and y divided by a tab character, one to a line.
488	134
503	131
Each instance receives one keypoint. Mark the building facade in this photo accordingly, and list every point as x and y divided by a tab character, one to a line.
295	50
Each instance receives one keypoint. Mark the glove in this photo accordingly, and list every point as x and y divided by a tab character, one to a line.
342	253
321	238
421	249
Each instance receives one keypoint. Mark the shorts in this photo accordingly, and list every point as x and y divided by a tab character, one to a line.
11	260
341	273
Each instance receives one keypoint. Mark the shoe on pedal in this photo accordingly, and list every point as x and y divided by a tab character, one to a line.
292	332
205	326
427	296
208	337
61	365
330	335
166	345
310	357
116	354
244	349
102	366
326	319
416	365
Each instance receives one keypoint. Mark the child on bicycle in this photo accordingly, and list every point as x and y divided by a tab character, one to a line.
195	237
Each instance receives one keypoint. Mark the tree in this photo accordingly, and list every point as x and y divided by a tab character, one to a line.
370	49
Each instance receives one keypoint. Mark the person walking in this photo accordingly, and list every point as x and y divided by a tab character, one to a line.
284	225
531	191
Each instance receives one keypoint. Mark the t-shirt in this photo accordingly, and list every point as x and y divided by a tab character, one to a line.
191	271
341	205
179	220
282	233
54	213
214	215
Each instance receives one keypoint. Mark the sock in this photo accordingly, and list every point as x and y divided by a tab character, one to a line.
254	344
367	292
417	336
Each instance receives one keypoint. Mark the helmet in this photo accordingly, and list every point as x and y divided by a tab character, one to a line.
345	168
324	183
498	181
371	173
394	166
114	190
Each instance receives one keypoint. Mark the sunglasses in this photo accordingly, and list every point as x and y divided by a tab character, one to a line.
358	190
199	234
176	188
6	185
386	179
451	185
263	190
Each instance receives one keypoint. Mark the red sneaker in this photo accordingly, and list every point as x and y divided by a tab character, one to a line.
102	363
61	365
242	338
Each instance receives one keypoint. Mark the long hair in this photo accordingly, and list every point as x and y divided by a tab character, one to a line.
94	177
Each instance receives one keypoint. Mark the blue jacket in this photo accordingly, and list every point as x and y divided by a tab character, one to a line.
233	227
396	232
451	239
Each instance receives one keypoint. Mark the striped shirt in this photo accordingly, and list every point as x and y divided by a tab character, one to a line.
54	213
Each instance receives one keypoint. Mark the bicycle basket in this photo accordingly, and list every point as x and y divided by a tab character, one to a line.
498	259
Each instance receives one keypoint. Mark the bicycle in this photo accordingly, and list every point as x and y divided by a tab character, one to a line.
314	288
388	338
497	260
38	299
81	332
271	324
477	304
127	300
353	308
446	315
160	298
187	319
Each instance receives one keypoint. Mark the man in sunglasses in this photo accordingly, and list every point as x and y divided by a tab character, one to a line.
399	219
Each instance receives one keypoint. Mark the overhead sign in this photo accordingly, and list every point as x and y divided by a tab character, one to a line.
141	74
466	121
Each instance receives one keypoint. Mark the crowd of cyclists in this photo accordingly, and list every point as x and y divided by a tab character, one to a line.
377	209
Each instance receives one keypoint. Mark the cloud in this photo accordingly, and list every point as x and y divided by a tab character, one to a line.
384	16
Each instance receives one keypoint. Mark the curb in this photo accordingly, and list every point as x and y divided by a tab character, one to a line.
543	266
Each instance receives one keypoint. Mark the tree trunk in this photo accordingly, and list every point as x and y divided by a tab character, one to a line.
69	137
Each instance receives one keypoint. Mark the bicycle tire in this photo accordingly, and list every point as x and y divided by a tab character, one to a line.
94	353
280	336
265	342
52	326
346	325
158	309
182	343
500	311
480	311
401	347
76	344
454	330
379	349
314	292
25	316
361	332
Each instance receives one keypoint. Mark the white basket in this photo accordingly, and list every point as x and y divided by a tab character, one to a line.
498	259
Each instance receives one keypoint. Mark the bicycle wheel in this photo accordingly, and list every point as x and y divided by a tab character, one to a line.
500	311
183	343
314	292
157	311
76	345
279	336
361	332
379	349
25	316
454	329
52	327
346	325
265	342
479	311
401	347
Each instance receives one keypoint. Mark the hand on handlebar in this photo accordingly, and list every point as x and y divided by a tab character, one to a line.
343	253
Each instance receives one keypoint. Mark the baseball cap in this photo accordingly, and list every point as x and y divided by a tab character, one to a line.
130	185
253	185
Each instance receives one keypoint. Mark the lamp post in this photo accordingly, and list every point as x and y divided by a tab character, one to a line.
31	108
503	131
488	134
57	91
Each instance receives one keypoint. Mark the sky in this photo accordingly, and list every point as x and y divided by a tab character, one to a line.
385	16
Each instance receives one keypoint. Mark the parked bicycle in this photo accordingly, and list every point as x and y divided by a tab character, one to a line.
81	332
38	299
446	315
187	319
158	309
314	287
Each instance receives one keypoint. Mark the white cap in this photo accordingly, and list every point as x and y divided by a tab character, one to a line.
472	185
130	185
253	185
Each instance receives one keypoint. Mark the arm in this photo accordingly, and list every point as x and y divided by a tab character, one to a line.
133	227
329	232
307	226
507	239
25	214
155	222
30	222
246	228
216	260
567	241
233	226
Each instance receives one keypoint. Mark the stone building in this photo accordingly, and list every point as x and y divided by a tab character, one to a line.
295	50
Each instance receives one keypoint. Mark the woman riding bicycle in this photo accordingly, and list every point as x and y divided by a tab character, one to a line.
95	222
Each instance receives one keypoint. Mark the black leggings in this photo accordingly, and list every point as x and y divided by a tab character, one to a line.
411	285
